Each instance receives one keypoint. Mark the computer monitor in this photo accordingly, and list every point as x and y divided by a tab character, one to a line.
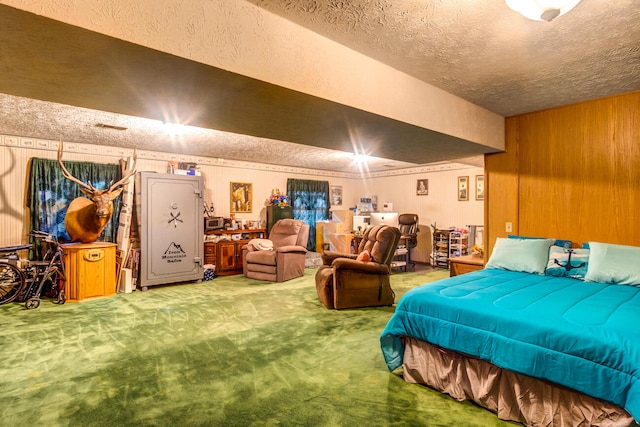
386	218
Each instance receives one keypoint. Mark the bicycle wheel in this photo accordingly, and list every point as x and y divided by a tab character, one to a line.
11	282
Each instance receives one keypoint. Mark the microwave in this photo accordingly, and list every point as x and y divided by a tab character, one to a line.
213	223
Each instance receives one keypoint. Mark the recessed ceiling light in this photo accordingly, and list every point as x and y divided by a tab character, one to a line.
360	158
173	128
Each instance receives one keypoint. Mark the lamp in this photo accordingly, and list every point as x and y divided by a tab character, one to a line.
542	10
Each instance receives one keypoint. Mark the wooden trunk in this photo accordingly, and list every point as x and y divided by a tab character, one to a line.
90	270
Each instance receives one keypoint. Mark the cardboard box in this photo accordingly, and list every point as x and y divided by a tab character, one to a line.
345	220
341	242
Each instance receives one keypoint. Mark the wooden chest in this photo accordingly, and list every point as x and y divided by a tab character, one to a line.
90	270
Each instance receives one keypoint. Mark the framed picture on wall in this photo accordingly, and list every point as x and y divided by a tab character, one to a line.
336	195
479	187
422	187
241	197
463	188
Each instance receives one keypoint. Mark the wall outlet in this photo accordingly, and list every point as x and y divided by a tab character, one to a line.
508	227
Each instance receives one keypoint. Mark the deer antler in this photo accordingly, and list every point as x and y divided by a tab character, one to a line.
89	186
66	173
129	174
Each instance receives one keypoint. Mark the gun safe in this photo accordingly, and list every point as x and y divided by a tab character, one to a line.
170	226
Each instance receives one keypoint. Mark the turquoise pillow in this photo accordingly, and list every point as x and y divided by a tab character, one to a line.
567	262
557	242
618	264
526	255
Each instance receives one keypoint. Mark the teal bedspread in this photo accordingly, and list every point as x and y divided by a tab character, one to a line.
583	335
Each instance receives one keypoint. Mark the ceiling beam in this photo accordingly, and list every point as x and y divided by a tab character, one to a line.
52	61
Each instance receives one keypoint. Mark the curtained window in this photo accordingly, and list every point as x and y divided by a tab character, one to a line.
310	201
50	193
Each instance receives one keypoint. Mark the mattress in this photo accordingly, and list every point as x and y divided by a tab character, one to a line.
582	335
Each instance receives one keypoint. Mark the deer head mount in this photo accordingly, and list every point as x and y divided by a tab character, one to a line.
87	217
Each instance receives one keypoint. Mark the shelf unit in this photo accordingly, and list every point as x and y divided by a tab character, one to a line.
440	252
458	244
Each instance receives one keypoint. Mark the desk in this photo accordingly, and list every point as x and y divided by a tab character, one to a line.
465	264
356	242
402	256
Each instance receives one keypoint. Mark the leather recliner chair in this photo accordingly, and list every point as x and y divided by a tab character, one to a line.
286	257
343	281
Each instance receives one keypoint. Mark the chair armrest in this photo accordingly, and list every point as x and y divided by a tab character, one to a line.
247	248
291	248
329	256
364	267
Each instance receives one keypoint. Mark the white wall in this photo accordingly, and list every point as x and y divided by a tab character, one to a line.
15	153
440	206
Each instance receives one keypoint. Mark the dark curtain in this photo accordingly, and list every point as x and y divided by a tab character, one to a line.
310	201
50	193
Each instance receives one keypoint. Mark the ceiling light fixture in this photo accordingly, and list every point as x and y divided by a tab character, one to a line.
173	128
542	10
360	158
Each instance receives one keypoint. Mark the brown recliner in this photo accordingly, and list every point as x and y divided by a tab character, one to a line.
345	282
285	260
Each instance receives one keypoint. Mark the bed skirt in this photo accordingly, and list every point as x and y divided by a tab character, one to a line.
512	396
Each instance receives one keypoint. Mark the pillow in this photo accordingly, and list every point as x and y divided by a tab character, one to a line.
557	242
567	262
617	264
526	255
364	256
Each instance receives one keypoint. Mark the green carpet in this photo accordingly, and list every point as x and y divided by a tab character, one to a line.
229	352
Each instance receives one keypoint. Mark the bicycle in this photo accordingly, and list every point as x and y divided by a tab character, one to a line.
11	277
24	280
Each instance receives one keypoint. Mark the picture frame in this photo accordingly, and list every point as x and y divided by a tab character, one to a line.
479	187
241	197
463	188
422	187
336	195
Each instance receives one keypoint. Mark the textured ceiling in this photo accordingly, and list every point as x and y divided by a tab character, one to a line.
483	51
45	119
478	50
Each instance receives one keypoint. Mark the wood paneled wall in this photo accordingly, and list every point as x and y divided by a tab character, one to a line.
571	172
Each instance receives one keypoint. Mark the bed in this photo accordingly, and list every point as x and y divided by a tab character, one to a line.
528	338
